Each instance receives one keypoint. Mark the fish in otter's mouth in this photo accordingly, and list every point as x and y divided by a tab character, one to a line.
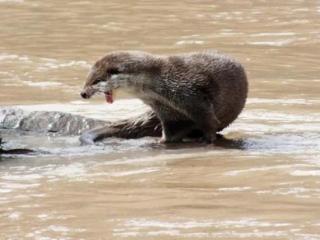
109	96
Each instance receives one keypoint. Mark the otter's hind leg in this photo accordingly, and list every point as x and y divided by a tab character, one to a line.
147	124
175	131
203	116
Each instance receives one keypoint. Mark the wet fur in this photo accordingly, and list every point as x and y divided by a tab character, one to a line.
191	95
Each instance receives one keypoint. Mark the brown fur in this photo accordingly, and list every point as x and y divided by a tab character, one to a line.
191	95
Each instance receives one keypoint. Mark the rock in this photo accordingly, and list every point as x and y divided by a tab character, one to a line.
53	123
46	122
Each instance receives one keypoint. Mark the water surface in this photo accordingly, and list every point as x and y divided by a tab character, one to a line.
261	182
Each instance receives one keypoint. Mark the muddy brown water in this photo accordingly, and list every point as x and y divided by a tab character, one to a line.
261	183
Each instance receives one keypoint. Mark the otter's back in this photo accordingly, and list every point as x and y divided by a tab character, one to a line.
224	80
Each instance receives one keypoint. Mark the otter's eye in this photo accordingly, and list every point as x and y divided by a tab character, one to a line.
99	80
112	71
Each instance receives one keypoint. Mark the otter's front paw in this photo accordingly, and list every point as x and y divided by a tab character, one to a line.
165	139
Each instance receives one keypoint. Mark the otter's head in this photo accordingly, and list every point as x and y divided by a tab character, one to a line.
119	70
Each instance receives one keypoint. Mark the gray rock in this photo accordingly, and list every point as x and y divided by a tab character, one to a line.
46	122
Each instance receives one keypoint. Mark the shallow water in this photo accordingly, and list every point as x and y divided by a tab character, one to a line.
261	182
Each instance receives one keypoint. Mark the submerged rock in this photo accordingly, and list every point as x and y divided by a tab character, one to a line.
46	122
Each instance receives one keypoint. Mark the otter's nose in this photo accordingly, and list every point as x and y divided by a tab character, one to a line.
84	95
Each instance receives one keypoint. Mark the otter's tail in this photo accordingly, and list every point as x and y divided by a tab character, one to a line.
147	124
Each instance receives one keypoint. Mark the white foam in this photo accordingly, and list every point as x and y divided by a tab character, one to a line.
22	178
15	216
11	1
56	228
4	56
301	101
55	64
263	34
234	189
69	171
276	43
141	223
257	169
241	228
280	116
128	173
299	192
189	42
306	173
42	84
5	190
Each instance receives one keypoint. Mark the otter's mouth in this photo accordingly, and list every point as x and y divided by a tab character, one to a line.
108	96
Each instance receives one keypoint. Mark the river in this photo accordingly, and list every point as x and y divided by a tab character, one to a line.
262	182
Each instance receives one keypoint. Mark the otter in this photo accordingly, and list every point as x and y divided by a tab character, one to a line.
193	95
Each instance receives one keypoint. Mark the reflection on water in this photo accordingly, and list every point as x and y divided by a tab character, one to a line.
260	181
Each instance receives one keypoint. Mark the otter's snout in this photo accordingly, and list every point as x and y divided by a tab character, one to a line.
84	95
